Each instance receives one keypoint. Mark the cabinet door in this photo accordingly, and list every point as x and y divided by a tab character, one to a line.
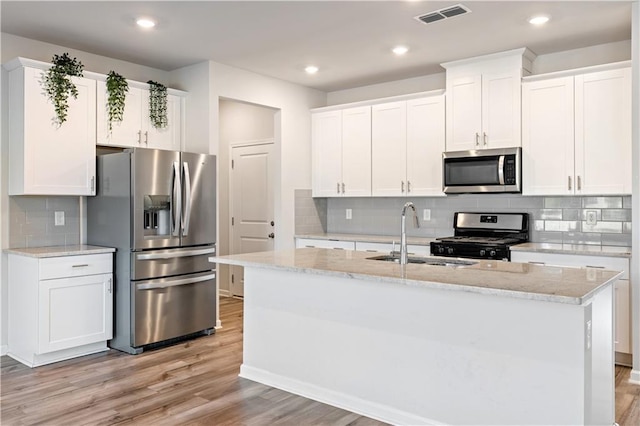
389	149
603	132
128	132
622	337
170	137
425	143
326	139
54	160
74	311
547	137
329	244
464	119
500	110
356	152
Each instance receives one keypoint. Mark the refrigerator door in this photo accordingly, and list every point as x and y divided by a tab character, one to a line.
156	198
169	262
198	175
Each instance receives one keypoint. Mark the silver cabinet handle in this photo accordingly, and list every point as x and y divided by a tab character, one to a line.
579	183
338	187
402	187
84	265
569	184
186	217
477	139
109	288
146	138
408	186
93	184
139	137
172	255
173	283
484	138
343	187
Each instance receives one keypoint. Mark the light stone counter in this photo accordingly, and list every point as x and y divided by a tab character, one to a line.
517	280
362	238
58	251
584	249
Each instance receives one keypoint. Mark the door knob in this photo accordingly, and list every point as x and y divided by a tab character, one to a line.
273	223
272	235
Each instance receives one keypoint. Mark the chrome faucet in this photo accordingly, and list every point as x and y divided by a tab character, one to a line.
404	256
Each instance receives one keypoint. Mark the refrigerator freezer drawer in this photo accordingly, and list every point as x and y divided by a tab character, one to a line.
173	307
167	262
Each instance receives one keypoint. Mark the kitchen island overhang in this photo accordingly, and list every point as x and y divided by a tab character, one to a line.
420	344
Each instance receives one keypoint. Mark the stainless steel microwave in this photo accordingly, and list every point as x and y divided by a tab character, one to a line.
480	171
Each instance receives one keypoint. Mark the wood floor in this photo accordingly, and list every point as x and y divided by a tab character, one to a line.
192	383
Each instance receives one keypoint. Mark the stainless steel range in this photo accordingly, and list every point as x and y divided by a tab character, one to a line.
483	235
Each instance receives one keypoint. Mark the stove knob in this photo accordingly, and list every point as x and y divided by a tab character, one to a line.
492	253
482	252
440	249
450	250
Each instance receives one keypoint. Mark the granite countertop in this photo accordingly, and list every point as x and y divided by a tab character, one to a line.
387	239
58	251
518	280
584	249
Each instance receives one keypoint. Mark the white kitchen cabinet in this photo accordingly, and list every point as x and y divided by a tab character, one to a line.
576	135
322	243
412	249
341	152
623	328
407	143
484	100
45	159
135	129
59	307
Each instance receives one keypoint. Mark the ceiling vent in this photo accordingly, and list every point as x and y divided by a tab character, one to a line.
447	12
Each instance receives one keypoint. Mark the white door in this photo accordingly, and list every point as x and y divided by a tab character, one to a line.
464	117
356	152
326	139
500	110
252	217
389	149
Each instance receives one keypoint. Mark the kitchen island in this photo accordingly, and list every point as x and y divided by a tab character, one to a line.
489	343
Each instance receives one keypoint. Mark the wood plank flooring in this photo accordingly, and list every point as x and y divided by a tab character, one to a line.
192	383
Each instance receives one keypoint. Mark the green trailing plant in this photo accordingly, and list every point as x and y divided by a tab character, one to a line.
57	84
158	104
117	88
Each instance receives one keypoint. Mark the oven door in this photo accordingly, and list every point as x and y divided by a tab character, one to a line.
490	170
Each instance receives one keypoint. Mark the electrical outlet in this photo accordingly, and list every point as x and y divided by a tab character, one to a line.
349	214
592	217
426	214
59	218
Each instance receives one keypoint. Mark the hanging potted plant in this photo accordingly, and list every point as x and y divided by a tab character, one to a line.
158	104
117	88
57	84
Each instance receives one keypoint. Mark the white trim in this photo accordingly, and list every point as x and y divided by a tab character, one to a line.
225	293
269	141
4	349
397	98
36	360
634	377
522	51
356	405
576	71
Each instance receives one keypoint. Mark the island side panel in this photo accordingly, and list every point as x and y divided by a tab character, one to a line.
408	354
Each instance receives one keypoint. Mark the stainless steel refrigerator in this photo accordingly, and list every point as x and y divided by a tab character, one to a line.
158	209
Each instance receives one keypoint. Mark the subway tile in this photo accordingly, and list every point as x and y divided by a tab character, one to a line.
626	227
571	214
626	202
41	240
71	239
17	241
547	237
583	215
520	202
550	214
538	225
616	240
581	238
560	225
621	215
602	202
562	202
602	226
490	203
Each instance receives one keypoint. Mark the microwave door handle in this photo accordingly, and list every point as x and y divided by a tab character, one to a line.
186	217
501	170
176	201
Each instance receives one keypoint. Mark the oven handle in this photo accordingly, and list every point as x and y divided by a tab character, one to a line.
501	170
171	255
173	283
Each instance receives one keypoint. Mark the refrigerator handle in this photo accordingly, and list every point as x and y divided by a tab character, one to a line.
186	217
176	201
149	285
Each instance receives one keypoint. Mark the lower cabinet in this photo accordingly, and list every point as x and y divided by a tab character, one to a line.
59	307
622	310
332	244
413	249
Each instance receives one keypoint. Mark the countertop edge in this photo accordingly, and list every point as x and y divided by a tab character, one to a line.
59	251
365	238
577	249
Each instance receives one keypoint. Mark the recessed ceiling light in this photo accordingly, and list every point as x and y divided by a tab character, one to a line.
539	20
311	69
400	50
145	23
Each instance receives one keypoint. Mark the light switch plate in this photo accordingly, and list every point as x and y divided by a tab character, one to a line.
59	218
426	214
349	214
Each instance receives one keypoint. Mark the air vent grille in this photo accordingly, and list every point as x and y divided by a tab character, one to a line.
447	12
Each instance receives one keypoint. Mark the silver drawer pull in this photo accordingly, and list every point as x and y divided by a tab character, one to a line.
537	263
84	265
597	267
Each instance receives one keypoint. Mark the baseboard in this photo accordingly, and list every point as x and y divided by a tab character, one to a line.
337	399
3	350
224	293
634	377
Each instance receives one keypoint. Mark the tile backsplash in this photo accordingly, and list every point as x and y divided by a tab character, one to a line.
552	219
310	213
32	221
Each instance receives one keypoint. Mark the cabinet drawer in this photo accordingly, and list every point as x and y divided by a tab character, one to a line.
331	244
611	263
74	266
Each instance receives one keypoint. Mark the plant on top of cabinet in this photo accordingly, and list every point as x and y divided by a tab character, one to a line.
58	86
117	88
158	104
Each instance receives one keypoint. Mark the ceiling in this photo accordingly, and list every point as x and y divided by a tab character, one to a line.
349	41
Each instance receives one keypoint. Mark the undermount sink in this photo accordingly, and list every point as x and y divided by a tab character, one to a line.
425	260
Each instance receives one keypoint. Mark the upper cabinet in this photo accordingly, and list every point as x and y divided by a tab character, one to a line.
45	159
407	144
576	134
483	100
135	129
341	141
